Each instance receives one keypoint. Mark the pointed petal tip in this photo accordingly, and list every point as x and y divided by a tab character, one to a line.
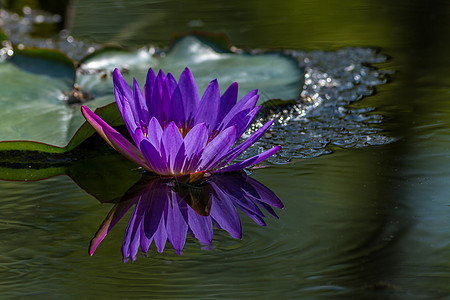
249	162
84	109
136	86
87	114
117	74
188	76
94	244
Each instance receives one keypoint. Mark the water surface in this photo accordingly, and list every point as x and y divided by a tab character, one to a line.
360	222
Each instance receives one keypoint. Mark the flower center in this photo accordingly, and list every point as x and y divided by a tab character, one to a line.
184	130
144	128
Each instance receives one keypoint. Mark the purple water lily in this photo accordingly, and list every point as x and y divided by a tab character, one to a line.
176	133
167	209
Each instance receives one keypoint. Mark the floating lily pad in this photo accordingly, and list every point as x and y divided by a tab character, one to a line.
32	101
273	74
112	173
35	83
32	94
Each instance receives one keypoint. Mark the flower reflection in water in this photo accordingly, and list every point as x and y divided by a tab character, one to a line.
167	209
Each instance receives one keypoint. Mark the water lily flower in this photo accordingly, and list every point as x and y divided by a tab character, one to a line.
176	132
165	210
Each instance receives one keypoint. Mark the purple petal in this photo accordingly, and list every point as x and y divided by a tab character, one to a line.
241	109
122	86
139	136
115	139
209	106
242	122
156	100
170	84
149	84
217	148
235	152
250	161
249	95
154	158
189	93
195	141
124	96
180	159
154	132
142	110
125	111
227	101
171	142
177	108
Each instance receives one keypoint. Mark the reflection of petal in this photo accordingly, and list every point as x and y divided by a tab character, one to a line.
264	194
166	210
201	227
114	216
176	222
132	235
224	213
154	196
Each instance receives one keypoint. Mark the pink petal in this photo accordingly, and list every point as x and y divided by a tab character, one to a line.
115	139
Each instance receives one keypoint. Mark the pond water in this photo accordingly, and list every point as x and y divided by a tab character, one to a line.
367	220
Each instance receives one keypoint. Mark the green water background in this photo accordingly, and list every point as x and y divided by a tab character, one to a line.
358	223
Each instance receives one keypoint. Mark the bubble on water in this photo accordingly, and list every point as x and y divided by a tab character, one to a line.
6	50
19	29
322	119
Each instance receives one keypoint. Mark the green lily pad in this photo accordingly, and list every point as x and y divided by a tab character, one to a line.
32	94
35	82
273	74
32	101
112	173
